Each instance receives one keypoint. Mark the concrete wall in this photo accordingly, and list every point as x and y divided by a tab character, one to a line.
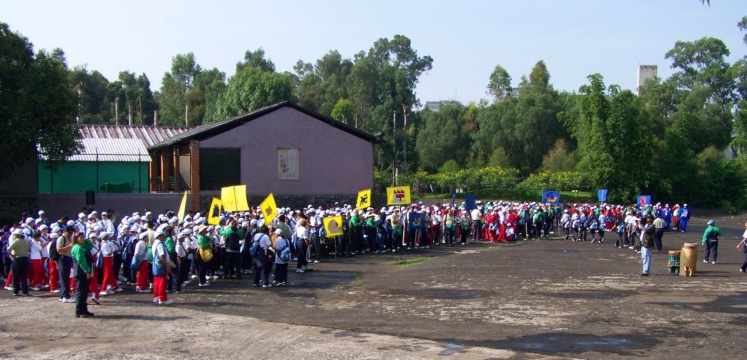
331	161
76	177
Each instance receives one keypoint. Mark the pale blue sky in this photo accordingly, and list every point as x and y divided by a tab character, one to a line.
466	39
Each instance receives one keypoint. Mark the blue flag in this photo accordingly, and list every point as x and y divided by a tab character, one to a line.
644	200
417	222
550	197
602	195
469	202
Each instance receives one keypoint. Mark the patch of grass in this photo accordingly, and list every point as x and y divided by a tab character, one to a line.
358	282
407	262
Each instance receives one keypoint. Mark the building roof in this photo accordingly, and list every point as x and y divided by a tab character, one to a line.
109	149
206	131
148	135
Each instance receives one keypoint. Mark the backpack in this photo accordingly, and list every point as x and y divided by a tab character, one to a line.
255	246
53	254
284	254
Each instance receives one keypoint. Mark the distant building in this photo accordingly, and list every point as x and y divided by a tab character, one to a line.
645	72
437	105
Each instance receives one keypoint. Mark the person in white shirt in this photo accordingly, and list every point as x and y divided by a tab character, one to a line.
109	283
141	252
36	275
261	261
160	261
281	267
302	246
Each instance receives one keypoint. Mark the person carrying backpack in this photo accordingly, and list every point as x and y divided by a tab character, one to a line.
282	246
261	247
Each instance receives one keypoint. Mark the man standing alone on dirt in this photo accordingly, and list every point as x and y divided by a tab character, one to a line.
710	240
648	233
660	225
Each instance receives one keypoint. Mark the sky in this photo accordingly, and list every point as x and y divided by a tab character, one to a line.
466	39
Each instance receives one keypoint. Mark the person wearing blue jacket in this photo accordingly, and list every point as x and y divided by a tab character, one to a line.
684	217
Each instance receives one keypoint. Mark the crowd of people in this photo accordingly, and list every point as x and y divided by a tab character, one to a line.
97	255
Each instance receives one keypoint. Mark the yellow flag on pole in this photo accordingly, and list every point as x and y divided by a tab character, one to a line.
214	212
364	199
228	198
398	195
239	191
182	207
333	226
269	210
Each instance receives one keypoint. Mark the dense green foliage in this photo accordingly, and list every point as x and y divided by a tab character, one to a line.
37	103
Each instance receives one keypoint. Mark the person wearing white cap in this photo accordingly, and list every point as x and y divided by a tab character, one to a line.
141	256
19	249
42	218
710	239
160	269
54	274
283	257
109	283
261	261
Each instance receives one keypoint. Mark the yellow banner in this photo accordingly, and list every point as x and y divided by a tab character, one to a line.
213	214
239	191
269	209
234	198
364	199
398	195
228	199
333	226
182	207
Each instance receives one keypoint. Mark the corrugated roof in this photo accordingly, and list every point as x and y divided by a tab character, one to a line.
227	124
149	135
110	149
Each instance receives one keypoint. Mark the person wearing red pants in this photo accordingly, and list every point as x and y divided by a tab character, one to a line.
160	270
141	252
109	284
93	285
54	274
36	275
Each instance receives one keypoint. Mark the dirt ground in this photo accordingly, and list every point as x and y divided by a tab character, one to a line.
526	300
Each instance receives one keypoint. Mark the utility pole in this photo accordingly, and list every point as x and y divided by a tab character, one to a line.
186	116
356	121
116	110
129	113
155	117
140	103
394	148
404	162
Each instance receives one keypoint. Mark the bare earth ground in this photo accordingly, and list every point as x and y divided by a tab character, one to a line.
523	301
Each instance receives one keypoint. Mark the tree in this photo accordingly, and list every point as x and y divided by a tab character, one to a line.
175	86
559	158
92	95
37	103
444	137
500	84
255	59
615	139
253	88
343	111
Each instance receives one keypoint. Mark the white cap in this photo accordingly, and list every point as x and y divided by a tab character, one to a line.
81	215
41	212
278	232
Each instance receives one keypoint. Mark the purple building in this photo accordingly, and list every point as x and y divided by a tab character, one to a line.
284	149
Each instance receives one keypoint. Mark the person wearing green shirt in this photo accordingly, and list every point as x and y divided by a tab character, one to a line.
203	242
710	240
232	236
81	253
356	223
